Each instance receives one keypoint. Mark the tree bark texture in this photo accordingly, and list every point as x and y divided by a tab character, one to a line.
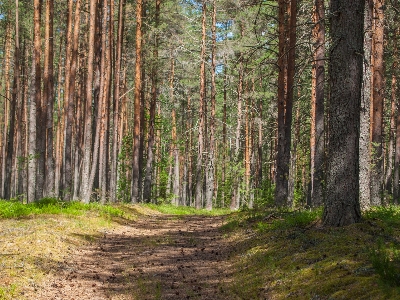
201	126
210	178
342	192
117	100
317	105
286	64
85	192
365	154
137	107
378	94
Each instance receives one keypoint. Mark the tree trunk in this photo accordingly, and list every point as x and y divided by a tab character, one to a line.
59	127
200	147
286	63
85	192
317	106
116	98
14	100
104	97
210	179
224	144
34	104
342	191
72	49
174	141
235	201
365	159
378	94
396	169
48	100
388	180
4	142
137	106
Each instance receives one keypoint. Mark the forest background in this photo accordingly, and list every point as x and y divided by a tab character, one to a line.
200	103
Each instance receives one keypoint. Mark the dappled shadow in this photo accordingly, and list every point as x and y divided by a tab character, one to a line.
155	257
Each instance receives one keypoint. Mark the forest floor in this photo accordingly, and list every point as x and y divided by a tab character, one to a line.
146	254
155	256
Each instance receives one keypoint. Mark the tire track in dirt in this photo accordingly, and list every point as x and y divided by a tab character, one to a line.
156	257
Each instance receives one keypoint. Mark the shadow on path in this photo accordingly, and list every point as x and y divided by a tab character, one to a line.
156	257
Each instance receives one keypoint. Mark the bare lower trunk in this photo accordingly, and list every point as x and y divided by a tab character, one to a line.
85	192
13	104
377	104
396	169
342	190
116	106
210	179
365	158
200	149
137	106
317	110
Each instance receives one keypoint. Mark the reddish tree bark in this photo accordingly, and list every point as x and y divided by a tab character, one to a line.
378	94
137	107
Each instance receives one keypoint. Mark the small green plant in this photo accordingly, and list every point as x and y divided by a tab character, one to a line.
290	219
124	168
386	262
8	293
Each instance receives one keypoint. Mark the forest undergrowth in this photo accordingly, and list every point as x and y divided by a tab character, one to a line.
274	254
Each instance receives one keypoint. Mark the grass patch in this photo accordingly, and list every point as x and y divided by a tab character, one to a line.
385	254
13	209
8	292
37	239
186	210
284	255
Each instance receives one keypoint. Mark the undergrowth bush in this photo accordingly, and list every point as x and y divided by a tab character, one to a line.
390	215
385	257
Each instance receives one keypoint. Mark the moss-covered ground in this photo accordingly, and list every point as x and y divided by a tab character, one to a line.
290	255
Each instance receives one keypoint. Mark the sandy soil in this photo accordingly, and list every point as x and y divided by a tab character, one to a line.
156	257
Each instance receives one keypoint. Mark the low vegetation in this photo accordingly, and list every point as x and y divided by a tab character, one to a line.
275	254
37	238
186	210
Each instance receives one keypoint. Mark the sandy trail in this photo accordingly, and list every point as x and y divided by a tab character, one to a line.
156	257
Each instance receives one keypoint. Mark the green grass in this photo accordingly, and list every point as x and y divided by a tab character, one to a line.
8	293
14	209
186	210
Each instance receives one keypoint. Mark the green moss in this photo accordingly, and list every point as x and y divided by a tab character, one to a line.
288	256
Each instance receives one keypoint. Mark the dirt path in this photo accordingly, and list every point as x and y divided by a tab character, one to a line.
156	257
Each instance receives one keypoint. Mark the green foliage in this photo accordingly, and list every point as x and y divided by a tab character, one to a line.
163	176
264	195
8	293
124	168
385	256
389	215
290	219
13	209
385	259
